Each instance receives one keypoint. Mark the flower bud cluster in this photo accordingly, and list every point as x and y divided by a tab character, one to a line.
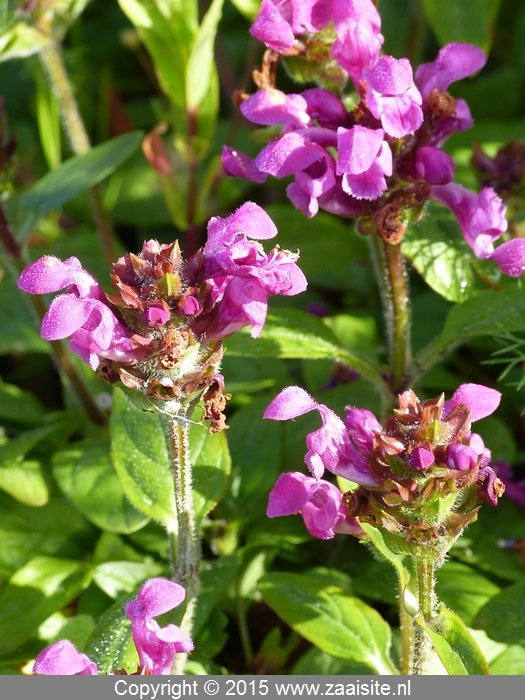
382	158
420	478
161	333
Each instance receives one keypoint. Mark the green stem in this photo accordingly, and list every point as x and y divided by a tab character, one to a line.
408	635
185	547
423	645
390	269
77	135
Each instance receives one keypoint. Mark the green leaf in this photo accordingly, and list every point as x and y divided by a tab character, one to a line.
464	590
469	21
437	250
248	8
335	622
211	466
216	576
110	644
73	177
22	41
37	590
510	663
503	617
19	406
26	482
455	646
488	313
168	30
87	477
17	321
289	333
201	60
140	453
118	577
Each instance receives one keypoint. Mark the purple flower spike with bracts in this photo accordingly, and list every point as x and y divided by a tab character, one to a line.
157	646
63	659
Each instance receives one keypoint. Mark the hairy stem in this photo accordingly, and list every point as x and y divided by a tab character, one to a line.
185	548
390	269
423	645
76	134
408	636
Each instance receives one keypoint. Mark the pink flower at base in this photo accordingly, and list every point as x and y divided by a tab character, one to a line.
392	96
157	646
453	62
364	161
318	501
63	659
82	313
242	274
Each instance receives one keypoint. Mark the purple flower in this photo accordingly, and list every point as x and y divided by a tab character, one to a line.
392	96
434	165
453	62
421	458
358	28
364	161
481	400
515	490
242	275
82	313
63	659
461	457
236	164
318	501
278	22
271	106
330	447
157	646
482	221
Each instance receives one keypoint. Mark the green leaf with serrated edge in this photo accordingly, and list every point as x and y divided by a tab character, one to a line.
201	60
463	589
503	617
437	250
37	590
140	453
289	333
458	651
335	622
86	475
75	175
466	21
488	313
110	645
22	41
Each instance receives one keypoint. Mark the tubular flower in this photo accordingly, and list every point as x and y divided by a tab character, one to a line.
421	476
160	333
156	646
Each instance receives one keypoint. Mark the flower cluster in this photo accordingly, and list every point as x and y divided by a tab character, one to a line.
161	332
156	646
383	159
420	477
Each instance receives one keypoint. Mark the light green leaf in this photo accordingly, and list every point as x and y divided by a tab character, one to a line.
201	59
118	577
19	406
140	453
469	21
437	250
458	651
463	589
25	482
74	176
289	333
37	590
211	466
22	41
111	645
248	8
335	622
503	617
87	477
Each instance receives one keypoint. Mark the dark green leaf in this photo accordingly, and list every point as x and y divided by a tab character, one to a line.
455	646
316	662
37	590
463	589
110	644
335	622
19	406
216	576
17	321
503	617
469	21
87	477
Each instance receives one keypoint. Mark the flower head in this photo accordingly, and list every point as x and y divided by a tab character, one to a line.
63	659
